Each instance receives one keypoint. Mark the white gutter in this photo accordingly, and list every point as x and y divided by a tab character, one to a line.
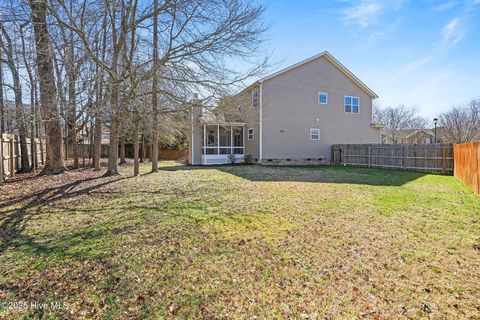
261	123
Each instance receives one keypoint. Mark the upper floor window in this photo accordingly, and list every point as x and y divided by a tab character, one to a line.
322	98
250	134
352	104
255	98
314	134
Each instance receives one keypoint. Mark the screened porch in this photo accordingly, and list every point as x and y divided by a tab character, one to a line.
223	143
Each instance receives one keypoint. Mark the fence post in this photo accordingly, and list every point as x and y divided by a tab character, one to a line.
444	160
12	160
369	156
404	158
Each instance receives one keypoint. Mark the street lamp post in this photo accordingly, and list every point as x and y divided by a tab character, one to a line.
435	120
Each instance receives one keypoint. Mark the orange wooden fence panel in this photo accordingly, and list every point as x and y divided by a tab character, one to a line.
171	154
167	154
467	164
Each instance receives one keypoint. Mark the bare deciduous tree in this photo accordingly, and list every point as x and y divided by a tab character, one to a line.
107	64
9	47
154	89
192	49
2	104
398	118
54	155
461	124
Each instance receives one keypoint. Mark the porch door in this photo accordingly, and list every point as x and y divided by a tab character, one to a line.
225	140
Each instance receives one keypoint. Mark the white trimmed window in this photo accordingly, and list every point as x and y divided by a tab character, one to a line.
352	104
322	98
255	98
250	134
314	134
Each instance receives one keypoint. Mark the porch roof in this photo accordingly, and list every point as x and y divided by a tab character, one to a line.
212	119
225	123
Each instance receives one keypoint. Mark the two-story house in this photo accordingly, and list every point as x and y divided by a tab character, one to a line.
291	116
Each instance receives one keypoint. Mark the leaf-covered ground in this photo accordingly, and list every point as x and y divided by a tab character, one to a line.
240	242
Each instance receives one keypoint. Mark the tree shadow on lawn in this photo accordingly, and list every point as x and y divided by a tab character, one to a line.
13	220
315	174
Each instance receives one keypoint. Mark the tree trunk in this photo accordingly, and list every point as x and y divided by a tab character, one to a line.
122	149
19	117
33	112
98	143
11	61
142	148
33	146
2	117
72	119
136	162
83	134
154	154
72	101
2	106
33	149
90	142
97	154
112	169
54	158
63	106
39	126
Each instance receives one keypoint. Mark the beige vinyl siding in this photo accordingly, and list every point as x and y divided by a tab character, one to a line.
290	103
251	116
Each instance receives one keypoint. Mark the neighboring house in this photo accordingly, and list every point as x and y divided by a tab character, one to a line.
291	116
415	136
105	137
9	116
412	136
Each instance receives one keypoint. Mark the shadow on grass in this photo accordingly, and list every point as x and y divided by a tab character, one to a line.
13	220
318	174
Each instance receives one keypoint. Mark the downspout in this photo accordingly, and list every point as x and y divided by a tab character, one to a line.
260	133
192	144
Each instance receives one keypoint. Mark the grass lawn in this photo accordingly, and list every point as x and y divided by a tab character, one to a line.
240	242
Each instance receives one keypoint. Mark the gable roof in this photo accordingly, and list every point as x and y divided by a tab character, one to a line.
408	133
426	131
332	60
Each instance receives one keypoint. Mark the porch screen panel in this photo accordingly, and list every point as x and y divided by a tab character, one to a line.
211	140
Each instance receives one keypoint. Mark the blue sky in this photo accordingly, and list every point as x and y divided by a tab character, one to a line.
423	53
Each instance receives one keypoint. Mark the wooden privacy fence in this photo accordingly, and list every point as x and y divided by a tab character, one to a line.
10	160
169	154
467	164
163	153
85	150
415	157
